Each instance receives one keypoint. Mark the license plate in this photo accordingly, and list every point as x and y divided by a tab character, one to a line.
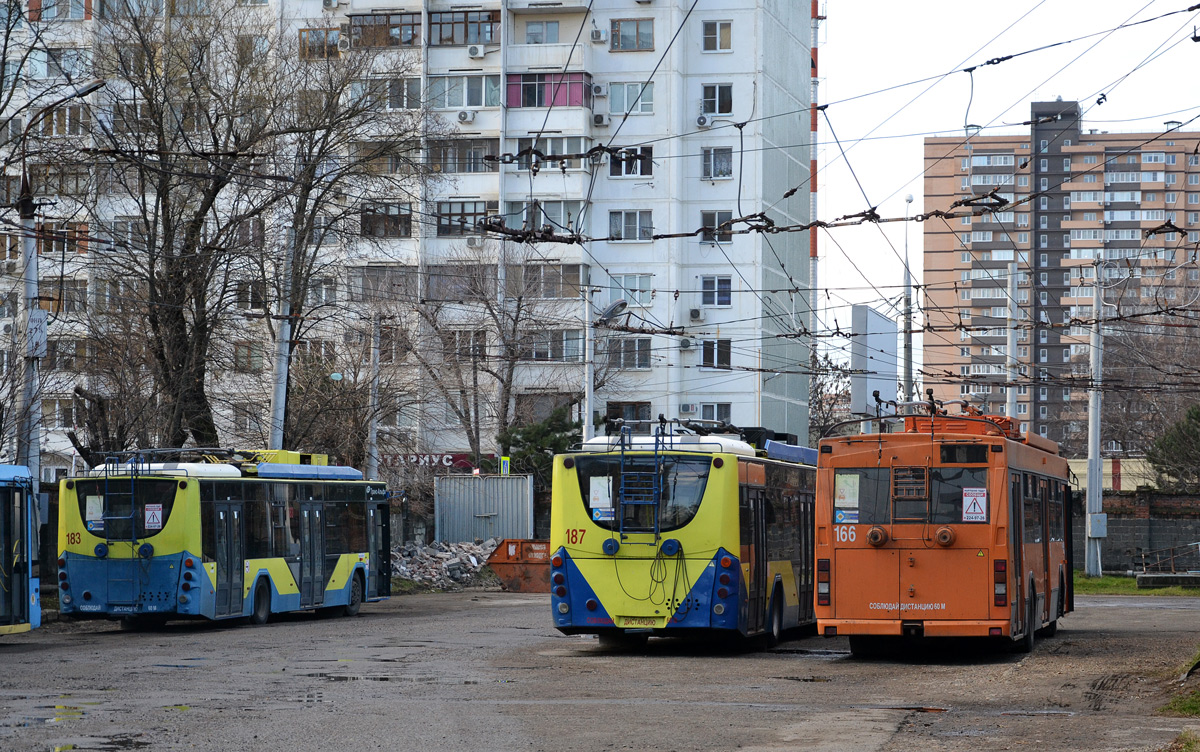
639	621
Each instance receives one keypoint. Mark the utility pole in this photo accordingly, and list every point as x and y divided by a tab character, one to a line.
1097	521
1010	392
29	412
908	334
283	345
373	419
589	366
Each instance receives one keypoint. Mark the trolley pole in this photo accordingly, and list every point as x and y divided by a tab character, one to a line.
1097	522
1010	392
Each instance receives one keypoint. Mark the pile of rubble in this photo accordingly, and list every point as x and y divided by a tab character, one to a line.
442	565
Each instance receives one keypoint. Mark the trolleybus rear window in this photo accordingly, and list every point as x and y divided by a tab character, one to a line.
121	509
681	482
938	495
862	496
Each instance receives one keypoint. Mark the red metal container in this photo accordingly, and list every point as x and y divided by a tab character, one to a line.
523	566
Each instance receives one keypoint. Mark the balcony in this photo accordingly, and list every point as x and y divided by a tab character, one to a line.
550	58
548	6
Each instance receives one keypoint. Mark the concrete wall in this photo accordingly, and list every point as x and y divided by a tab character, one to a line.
1140	523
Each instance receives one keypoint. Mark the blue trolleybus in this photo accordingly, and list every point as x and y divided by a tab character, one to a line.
221	534
20	604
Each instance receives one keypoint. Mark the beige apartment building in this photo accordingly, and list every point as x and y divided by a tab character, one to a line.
1072	195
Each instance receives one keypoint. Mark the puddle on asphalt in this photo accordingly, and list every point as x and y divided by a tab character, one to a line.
61	713
397	679
99	743
817	679
815	653
180	708
915	709
1036	713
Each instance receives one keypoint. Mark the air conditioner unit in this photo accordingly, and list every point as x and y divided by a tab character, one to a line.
685	344
466	116
703	121
474	241
476	51
687	407
696	314
329	4
599	35
599	90
343	44
600	120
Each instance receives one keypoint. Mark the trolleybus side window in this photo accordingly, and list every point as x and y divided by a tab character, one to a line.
955	486
862	496
1056	512
256	517
1033	511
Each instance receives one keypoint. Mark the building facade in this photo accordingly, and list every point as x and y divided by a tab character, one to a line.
1071	199
697	111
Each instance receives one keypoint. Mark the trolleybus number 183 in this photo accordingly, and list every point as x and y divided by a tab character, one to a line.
73	539
575	535
844	533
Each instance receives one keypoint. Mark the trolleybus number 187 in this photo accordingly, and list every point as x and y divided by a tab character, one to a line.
73	539
575	535
844	533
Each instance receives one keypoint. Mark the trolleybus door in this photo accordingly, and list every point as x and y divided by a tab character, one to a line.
312	555
1016	527
227	529
378	548
754	555
13	580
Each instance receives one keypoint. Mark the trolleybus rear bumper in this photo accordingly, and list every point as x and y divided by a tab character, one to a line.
927	628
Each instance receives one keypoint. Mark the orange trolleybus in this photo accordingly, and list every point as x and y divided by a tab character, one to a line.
958	526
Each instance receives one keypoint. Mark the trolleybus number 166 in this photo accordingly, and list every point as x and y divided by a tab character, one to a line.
844	533
575	535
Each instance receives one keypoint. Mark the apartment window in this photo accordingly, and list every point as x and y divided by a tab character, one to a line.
59	413
1172	178
549	89
453	92
322	291
1043	165
628	353
716	290
636	414
386	220
247	417
964	257
464	343
376	284
632	162
251	294
631	34
711	221
714	353
247	357
557	215
1022	408
72	63
1043	222
717	162
74	10
1042	355
561	345
1043	241
551	147
1193	198
717	99
474	27
460	217
452	282
1043	203
317	44
58	238
545	280
1170	197
630	225
1042	411
65	354
464	155
634	289
1044	183
541	32
1193	178
718	36
635	98
722	411
1042	145
1022	181
386	30
1067	164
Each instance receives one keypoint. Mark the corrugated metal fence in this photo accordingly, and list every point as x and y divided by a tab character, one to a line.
467	507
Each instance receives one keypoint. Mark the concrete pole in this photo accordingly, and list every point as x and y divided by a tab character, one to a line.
589	365
283	345
1096	520
29	412
373	418
908	333
1010	392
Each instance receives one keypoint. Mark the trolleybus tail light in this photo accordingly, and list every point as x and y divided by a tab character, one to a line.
726	562
558	578
995	631
62	576
188	576
62	562
556	561
186	586
822	582
722	592
560	591
724	578
1000	568
591	604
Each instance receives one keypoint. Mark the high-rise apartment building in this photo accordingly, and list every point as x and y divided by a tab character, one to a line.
702	111
1071	195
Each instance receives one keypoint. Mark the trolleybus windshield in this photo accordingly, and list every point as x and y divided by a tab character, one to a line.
110	506
681	482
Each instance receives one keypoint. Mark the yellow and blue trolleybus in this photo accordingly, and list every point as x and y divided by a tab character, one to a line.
20	602
681	533
227	534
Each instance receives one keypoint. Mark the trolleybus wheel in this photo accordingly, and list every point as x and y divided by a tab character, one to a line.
262	603
356	596
775	625
1026	643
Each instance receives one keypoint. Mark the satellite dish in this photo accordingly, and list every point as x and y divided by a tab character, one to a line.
614	309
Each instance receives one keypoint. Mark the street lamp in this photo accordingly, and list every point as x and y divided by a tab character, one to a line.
29	408
908	337
613	310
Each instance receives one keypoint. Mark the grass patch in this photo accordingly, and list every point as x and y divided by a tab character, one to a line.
402	586
1185	742
1186	705
1113	585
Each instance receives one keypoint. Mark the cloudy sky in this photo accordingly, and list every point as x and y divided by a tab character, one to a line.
1146	72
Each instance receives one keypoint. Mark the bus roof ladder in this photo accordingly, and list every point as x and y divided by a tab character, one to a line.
122	579
638	487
